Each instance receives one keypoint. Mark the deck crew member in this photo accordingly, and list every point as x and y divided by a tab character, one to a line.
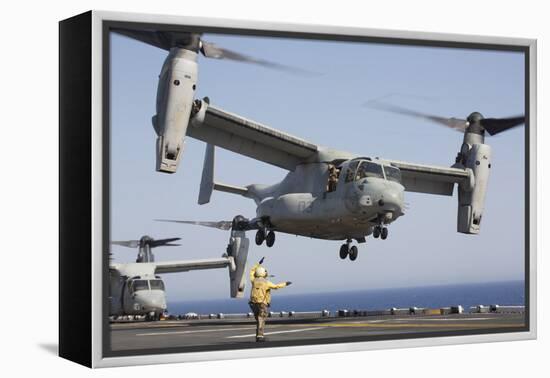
332	178
260	296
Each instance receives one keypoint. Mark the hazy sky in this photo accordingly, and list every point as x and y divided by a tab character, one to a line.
423	247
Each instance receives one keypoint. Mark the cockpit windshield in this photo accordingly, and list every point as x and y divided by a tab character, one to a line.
369	169
156	284
351	170
392	173
140	285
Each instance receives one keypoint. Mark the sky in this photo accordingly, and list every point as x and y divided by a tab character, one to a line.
328	109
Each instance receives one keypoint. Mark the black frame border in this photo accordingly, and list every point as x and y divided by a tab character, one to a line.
75	189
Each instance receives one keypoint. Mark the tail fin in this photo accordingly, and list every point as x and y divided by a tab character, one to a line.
207	181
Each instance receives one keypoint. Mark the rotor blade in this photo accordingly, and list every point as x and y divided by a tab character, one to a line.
127	243
221	225
163	242
162	39
211	50
498	125
453	123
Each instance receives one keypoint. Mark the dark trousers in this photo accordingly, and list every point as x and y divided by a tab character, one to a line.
260	313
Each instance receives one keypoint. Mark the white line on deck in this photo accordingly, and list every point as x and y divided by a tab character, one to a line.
277	332
442	320
197	331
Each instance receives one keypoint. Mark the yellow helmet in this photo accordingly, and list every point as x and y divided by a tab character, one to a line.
260	272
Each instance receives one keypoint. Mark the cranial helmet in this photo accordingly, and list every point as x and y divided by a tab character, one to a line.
260	272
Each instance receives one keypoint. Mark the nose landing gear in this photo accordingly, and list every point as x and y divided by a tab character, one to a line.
380	231
346	250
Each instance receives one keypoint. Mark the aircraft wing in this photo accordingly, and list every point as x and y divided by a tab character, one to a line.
187	265
249	138
431	179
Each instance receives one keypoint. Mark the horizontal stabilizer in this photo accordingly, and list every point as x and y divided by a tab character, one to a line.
230	189
207	181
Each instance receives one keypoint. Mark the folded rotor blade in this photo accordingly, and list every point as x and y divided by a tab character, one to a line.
127	243
221	225
498	125
211	50
453	123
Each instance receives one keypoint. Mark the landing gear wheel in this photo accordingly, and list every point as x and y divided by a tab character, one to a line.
376	232
260	237
353	252
270	239
344	250
384	233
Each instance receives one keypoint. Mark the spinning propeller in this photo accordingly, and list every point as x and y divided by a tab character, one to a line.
147	241
221	225
193	41
492	125
239	223
145	244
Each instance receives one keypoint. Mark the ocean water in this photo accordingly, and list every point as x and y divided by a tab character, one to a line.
502	293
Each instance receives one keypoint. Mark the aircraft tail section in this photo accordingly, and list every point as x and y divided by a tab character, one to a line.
207	181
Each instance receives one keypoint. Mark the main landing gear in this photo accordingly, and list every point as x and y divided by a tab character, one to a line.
346	250
262	235
380	232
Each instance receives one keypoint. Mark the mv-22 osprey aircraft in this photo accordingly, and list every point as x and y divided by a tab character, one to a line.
327	194
137	289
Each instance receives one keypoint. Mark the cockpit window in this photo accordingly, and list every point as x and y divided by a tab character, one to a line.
140	285
350	170
156	284
393	174
369	169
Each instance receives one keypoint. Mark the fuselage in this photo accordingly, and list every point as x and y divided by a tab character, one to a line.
365	193
131	294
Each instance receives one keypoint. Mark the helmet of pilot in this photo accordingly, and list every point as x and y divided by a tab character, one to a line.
260	272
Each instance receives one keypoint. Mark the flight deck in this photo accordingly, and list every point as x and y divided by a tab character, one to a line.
241	330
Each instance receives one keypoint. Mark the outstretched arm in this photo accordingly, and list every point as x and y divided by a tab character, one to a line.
271	285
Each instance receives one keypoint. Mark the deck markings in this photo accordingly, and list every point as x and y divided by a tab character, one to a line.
443	320
276	332
420	325
196	331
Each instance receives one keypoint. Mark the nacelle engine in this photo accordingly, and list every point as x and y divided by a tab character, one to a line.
476	156
175	94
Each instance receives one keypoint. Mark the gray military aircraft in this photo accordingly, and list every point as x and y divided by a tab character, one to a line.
137	289
327	194
366	194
